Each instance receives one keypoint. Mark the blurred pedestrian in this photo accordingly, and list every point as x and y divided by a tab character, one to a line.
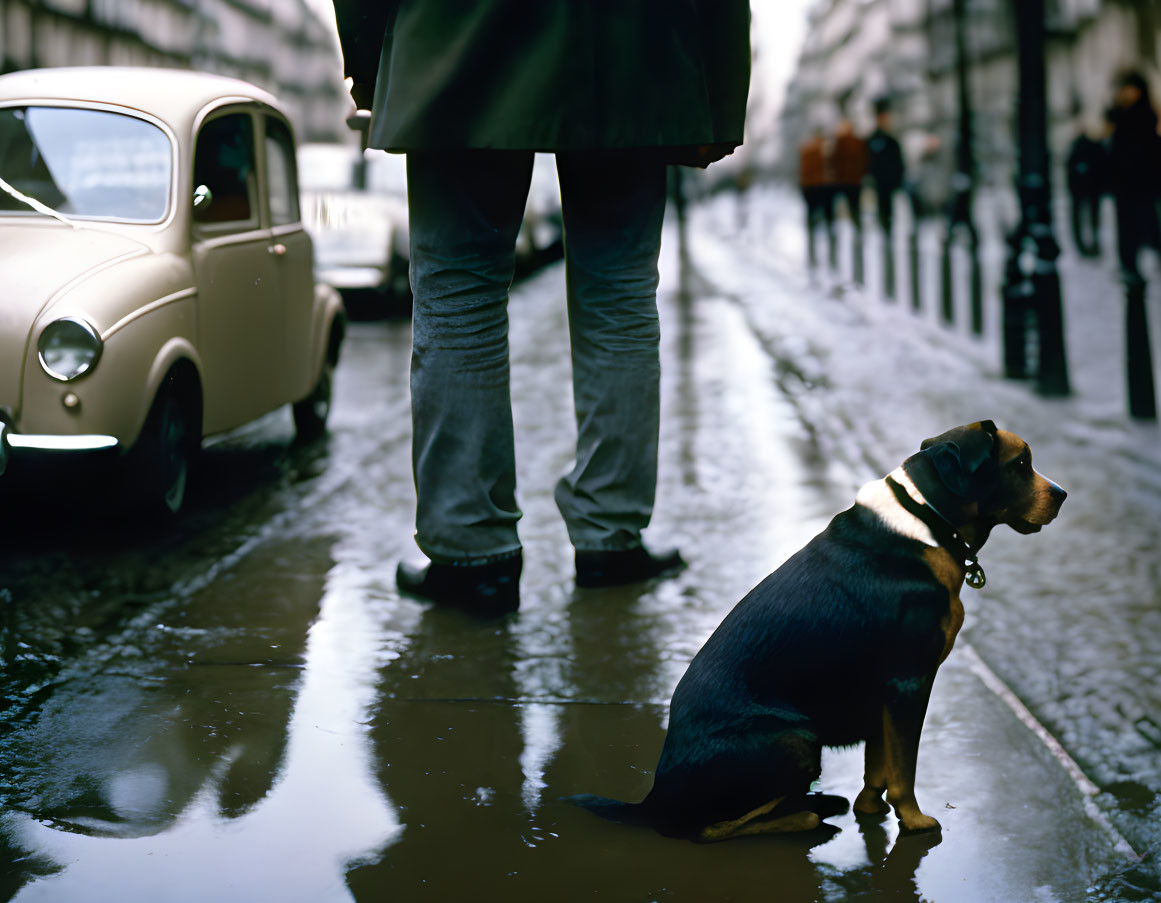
931	186
1134	179
817	193
470	92
848	166
885	164
1086	185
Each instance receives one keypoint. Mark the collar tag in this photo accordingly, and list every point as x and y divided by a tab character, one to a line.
943	530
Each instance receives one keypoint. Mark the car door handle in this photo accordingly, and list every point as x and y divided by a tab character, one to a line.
278	250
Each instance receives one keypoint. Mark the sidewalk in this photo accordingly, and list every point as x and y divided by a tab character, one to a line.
479	730
1070	618
394	750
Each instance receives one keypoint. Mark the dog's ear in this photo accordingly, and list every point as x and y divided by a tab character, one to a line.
984	426
965	459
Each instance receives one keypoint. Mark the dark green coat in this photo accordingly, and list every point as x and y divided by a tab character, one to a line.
550	75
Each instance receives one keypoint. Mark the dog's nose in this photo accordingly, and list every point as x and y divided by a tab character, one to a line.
1057	492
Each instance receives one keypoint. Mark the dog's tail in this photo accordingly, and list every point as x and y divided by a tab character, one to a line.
613	810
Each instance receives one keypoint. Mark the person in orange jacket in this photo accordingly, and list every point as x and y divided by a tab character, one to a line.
848	163
817	192
848	166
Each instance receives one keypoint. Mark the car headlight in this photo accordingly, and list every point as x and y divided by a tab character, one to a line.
68	348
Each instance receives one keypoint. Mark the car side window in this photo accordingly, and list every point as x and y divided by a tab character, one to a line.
224	164
281	173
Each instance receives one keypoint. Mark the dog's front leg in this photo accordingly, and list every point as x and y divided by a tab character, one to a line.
870	799
903	714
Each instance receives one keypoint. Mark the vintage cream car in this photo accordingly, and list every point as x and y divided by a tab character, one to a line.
155	280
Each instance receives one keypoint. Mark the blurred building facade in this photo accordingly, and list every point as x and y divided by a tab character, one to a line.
859	50
280	45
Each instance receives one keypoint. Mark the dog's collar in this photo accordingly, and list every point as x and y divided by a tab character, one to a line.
944	532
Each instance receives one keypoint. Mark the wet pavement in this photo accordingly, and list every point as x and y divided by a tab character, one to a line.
1071	618
244	709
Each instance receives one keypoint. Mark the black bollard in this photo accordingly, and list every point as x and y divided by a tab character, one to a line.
975	279
831	248
857	263
1142	396
888	265
811	257
960	220
857	241
1052	369
1018	295
977	287
1032	282
831	242
913	257
947	294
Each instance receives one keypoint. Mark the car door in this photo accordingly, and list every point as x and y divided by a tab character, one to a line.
240	332
293	262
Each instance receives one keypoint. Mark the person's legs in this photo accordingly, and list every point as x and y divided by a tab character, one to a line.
465	211
1129	237
1077	204
853	196
886	209
826	199
613	207
1094	201
811	205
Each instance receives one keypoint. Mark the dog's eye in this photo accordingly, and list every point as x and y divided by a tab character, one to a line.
1021	466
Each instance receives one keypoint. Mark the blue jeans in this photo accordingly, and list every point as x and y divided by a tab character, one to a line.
465	211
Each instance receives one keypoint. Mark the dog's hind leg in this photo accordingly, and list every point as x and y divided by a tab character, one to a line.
787	824
723	829
753	823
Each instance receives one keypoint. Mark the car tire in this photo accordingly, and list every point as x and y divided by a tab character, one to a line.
161	462
310	414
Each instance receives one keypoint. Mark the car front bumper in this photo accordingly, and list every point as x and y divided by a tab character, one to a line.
14	443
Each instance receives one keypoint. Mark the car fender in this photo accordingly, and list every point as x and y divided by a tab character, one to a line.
114	398
175	353
329	313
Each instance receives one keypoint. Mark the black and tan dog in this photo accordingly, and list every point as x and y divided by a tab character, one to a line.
837	646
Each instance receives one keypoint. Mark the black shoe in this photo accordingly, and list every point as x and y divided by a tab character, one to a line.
617	567
484	589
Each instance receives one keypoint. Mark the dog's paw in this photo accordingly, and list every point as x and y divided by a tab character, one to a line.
919	824
868	802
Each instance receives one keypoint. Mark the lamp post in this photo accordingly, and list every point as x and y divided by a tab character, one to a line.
963	183
1031	280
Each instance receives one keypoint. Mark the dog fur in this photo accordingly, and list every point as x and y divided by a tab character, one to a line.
839	645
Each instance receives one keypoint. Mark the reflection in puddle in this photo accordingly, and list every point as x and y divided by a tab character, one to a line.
323	811
540	726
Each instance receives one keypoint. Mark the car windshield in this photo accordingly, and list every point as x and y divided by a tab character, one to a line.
84	163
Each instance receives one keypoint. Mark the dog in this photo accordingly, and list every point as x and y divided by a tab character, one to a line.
839	645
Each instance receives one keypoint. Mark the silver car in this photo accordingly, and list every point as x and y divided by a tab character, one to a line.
354	205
